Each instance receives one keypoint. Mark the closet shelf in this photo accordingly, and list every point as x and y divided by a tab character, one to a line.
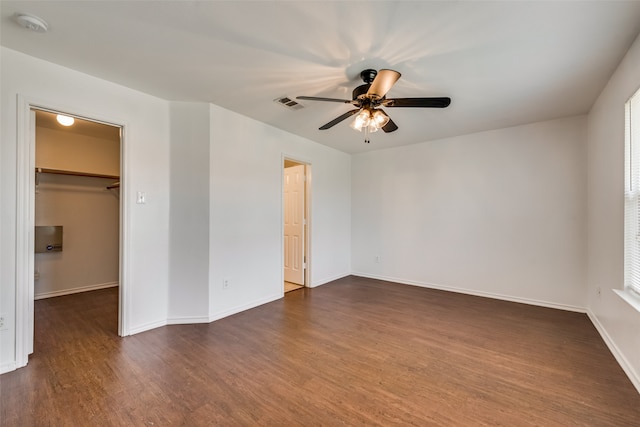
64	172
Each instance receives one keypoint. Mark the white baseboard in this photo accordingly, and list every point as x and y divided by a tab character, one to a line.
622	361
187	320
7	367
147	327
221	314
510	298
77	290
330	279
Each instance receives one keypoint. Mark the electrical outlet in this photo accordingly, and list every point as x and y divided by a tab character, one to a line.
376	259
226	283
598	292
3	322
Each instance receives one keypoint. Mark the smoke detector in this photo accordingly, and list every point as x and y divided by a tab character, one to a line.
31	22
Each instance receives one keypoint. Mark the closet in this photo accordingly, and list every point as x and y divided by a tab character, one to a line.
77	196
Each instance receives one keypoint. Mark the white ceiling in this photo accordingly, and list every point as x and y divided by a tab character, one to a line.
503	63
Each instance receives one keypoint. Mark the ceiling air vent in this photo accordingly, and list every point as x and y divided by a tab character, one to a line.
289	103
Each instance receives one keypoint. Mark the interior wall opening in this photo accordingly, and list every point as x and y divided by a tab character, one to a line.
296	186
77	206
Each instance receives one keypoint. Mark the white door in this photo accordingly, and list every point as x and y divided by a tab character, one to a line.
294	224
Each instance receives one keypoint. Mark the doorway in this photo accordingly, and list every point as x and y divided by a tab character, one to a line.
296	184
77	205
28	176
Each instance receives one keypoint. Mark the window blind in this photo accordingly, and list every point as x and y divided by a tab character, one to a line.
632	194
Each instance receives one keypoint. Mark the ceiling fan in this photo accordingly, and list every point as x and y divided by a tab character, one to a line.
369	97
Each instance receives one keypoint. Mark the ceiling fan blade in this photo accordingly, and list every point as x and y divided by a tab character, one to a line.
315	98
384	80
418	102
390	126
339	119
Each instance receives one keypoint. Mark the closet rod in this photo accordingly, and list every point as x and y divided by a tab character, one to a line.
63	172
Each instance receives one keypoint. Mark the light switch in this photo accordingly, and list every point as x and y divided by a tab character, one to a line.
142	198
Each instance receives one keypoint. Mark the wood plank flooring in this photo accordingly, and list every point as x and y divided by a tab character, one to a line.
288	287
353	352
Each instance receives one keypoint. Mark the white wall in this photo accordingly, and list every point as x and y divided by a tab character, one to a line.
189	226
497	213
213	184
89	215
617	321
88	211
226	212
246	211
66	150
146	152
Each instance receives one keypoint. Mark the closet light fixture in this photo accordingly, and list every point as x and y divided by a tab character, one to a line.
65	120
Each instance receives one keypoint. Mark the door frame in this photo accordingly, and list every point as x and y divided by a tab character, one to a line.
307	214
25	218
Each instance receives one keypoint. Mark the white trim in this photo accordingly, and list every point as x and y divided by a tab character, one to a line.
281	224
632	195
510	298
633	376
147	327
125	296
235	310
24	233
8	367
308	194
331	279
25	190
70	291
187	320
629	297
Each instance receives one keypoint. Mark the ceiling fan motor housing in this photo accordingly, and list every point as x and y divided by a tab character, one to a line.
368	75
361	91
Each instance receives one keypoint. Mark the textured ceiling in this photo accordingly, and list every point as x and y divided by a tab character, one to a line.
503	63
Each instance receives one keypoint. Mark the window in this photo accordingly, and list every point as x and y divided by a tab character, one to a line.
632	196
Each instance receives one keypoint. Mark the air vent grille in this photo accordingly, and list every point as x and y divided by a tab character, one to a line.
289	103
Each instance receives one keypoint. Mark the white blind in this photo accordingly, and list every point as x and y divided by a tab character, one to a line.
632	194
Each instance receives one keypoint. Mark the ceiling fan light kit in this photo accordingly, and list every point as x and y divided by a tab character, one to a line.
369	97
371	120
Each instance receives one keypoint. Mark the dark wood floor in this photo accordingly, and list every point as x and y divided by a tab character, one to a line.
353	352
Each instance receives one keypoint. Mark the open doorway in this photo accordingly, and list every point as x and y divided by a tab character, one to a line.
76	207
25	220
296	224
